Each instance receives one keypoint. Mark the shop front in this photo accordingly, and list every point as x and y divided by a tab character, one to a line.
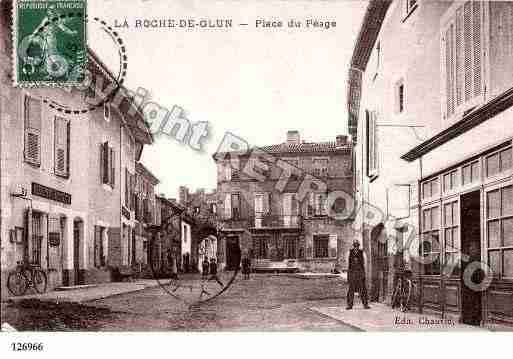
465	265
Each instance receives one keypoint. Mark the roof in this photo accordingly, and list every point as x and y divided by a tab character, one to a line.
295	148
136	123
140	168
369	31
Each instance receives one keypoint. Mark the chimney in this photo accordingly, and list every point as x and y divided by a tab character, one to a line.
341	140
293	137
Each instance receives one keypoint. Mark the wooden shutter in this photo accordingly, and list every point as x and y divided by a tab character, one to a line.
112	167
228	206
462	57
61	146
105	162
333	245
32	113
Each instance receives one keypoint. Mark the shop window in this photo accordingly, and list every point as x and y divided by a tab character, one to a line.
321	246
499	230
451	180
499	162
32	117
430	246
470	173
430	188
452	236
37	238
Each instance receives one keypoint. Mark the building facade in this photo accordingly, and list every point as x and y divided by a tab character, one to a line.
429	96
267	212
202	206
61	176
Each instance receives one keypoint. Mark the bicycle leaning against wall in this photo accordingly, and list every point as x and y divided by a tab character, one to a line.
25	276
405	291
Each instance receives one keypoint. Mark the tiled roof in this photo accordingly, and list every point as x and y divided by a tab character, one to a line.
304	147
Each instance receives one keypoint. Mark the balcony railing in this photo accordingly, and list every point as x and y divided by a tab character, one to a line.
276	221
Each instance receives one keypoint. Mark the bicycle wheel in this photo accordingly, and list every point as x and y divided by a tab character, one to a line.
17	283
396	296
406	296
39	281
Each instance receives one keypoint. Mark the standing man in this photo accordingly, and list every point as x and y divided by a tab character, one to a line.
356	276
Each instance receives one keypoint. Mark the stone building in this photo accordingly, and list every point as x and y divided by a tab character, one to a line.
430	106
202	206
266	210
61	175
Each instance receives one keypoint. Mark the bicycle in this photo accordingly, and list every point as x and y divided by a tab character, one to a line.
404	291
25	276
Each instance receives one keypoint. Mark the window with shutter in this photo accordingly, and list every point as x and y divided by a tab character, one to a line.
372	146
228	206
32	114
105	162
112	162
61	146
236	208
462	57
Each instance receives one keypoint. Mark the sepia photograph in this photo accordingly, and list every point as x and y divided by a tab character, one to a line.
255	166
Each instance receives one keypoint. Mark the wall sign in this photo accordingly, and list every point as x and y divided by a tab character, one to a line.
50	193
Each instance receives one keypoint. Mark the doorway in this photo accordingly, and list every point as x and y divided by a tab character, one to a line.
76	251
233	252
471	247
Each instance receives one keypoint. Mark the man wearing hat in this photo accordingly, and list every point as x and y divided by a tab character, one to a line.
356	276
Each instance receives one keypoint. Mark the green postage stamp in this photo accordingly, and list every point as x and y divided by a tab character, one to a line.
50	47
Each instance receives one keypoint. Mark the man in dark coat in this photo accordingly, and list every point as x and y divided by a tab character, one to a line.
213	272
356	276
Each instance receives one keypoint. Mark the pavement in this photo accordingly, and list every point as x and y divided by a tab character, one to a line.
381	317
90	293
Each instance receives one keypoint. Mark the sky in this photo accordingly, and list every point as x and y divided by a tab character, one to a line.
254	82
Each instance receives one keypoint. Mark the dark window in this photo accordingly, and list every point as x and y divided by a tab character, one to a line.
430	246
401	97
321	246
260	247
290	247
236	214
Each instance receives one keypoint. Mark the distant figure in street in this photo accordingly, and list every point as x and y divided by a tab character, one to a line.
171	262
356	276
204	268
246	267
213	272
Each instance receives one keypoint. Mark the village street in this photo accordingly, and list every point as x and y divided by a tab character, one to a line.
264	302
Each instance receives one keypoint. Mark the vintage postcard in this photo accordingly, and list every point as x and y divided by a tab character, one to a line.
256	166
